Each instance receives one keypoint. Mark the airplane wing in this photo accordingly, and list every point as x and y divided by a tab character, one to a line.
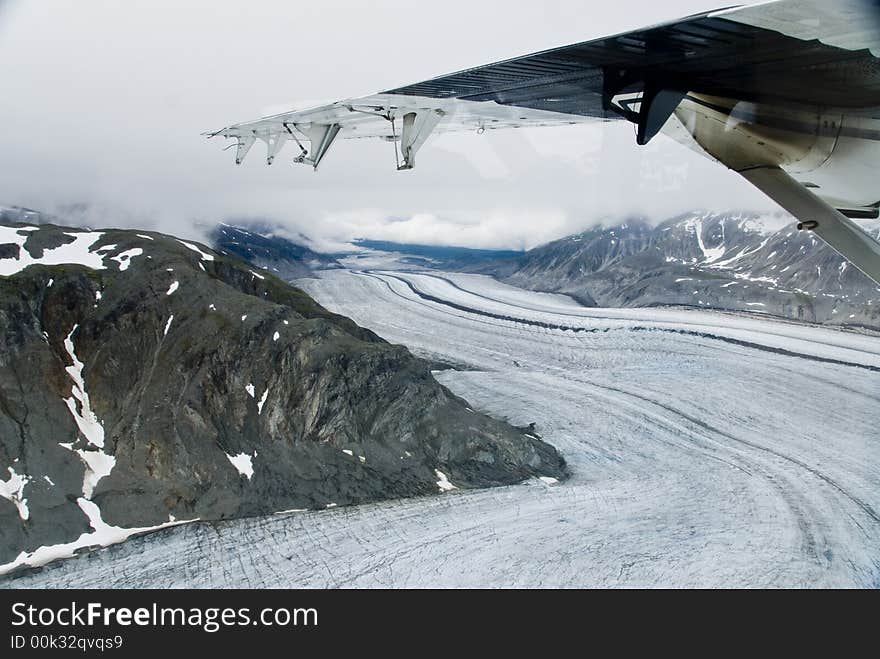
400	118
786	93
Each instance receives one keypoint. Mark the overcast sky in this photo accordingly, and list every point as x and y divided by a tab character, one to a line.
103	104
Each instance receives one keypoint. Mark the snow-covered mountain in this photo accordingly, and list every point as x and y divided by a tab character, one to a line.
739	261
262	245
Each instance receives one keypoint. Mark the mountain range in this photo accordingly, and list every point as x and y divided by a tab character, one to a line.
732	261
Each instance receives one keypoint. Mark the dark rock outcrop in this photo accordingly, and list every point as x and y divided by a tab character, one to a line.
159	380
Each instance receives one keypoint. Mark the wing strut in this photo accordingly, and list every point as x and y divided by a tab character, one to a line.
303	152
814	214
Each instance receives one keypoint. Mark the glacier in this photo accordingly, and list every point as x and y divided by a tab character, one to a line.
707	449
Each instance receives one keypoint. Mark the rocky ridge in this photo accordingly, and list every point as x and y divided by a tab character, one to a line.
147	380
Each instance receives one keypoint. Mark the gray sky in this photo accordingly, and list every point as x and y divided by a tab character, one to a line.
104	102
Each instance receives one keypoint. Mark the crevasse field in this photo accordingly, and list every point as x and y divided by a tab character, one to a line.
706	449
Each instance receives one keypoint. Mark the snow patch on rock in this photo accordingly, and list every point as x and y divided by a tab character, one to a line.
85	418
204	255
98	463
124	258
443	482
102	534
243	463
77	252
13	490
